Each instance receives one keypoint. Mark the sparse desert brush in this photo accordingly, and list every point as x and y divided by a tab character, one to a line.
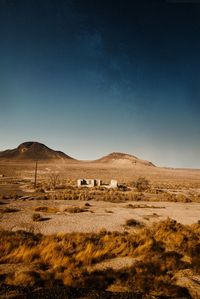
123	187
108	211
40	196
142	184
87	194
9	210
133	223
177	237
166	196
75	210
36	217
143	206
53	180
4	197
40	190
46	209
158	251
169	196
183	198
23	278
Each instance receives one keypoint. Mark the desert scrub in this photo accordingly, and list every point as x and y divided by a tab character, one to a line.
133	223
75	210
158	249
143	206
87	194
36	217
108	211
183	198
9	210
142	184
46	209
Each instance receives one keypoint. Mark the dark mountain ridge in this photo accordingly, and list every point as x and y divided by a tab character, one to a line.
33	150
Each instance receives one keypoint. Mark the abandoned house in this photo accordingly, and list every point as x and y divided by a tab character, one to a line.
95	183
88	182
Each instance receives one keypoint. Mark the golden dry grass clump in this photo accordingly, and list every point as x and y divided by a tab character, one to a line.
8	210
160	251
98	194
134	223
121	194
76	209
46	209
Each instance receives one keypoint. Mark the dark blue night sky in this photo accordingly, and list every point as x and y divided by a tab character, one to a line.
93	77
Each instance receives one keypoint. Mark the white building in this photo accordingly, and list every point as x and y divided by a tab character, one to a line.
95	183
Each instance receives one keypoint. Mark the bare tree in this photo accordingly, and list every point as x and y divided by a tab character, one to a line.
54	180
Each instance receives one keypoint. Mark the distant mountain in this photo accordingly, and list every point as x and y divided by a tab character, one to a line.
121	159
33	151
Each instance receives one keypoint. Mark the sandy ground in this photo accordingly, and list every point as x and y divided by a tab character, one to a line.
107	215
100	215
103	171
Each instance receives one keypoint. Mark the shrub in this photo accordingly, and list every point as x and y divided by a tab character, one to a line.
46	209
133	222
142	184
36	217
54	180
75	210
9	210
69	258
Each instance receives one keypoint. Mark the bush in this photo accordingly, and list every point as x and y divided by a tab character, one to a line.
9	210
158	253
75	210
46	209
142	184
36	217
133	222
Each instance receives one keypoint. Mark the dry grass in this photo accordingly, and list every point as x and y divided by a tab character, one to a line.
143	206
121	195
36	217
161	251
75	210
98	194
133	223
46	209
9	210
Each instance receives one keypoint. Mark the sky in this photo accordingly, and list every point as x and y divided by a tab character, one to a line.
94	77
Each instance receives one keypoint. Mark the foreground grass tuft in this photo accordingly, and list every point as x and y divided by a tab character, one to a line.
75	210
46	209
133	223
9	210
159	252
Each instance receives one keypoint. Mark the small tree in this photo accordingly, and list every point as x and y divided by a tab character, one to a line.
142	184
54	180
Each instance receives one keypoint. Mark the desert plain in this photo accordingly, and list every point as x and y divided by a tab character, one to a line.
139	240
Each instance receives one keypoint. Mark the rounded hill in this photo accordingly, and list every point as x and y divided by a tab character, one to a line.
33	150
124	159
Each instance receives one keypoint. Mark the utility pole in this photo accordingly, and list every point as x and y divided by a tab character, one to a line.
35	183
